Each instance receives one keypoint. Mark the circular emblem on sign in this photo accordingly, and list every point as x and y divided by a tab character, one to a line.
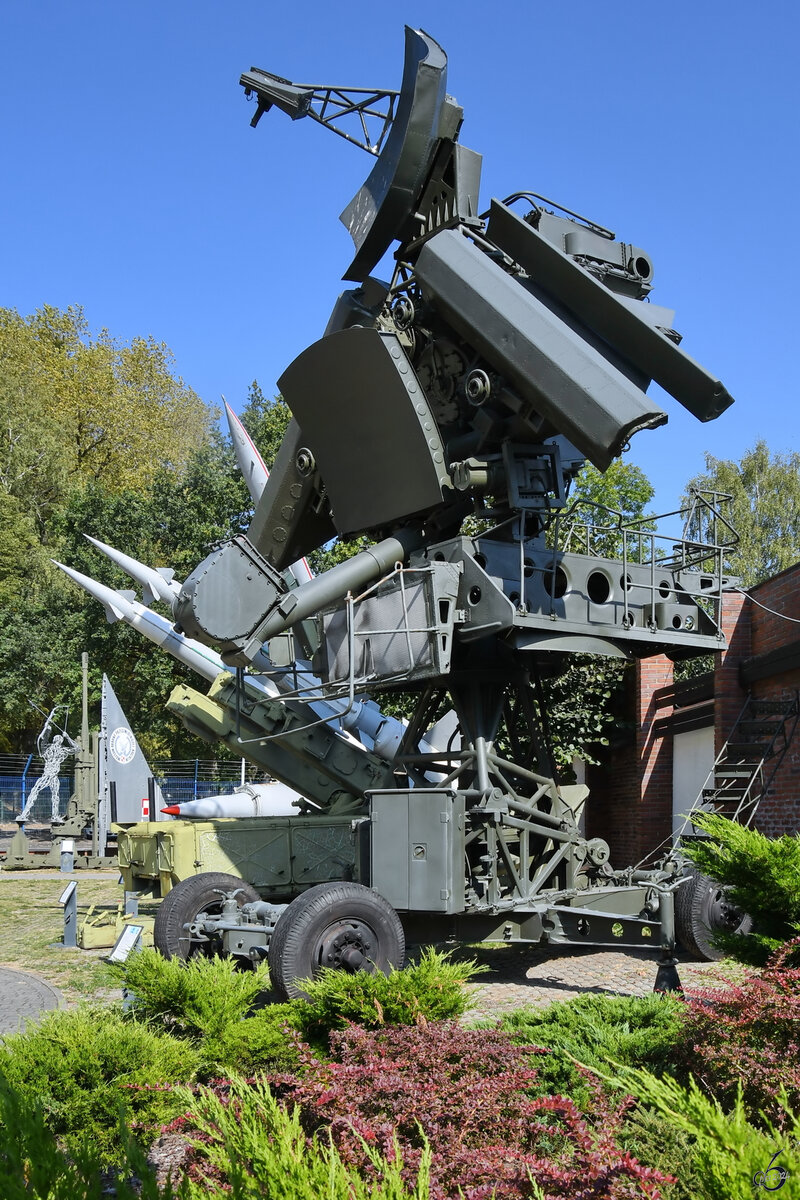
122	745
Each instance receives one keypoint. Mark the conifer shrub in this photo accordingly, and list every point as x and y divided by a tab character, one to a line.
762	876
432	989
732	1158
36	1167
263	1042
86	1069
247	1146
595	1029
201	997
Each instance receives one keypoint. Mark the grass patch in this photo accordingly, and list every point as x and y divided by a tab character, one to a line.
32	921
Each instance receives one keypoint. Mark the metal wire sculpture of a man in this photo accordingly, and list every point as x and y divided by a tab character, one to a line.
53	748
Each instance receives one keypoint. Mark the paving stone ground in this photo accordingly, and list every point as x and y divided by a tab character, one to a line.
23	998
520	976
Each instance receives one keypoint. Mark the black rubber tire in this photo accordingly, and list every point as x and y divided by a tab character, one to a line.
198	893
701	910
344	925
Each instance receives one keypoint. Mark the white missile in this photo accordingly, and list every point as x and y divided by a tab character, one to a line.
122	606
118	605
251	464
253	800
156	583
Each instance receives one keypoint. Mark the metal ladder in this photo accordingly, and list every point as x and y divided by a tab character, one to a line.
749	760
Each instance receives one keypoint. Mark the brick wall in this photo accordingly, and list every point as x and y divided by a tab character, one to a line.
631	796
729	696
779	811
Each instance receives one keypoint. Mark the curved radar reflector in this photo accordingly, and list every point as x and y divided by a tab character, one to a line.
377	213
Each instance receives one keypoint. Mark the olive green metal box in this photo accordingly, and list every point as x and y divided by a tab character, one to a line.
417	849
279	856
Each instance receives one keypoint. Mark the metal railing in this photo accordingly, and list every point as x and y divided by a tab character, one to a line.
701	548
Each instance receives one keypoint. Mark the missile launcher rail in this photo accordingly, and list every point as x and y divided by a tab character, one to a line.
505	350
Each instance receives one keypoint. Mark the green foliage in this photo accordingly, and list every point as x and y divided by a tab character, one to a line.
248	1147
727	1149
86	1070
429	990
635	1030
116	410
214	1005
693	668
35	1166
764	511
623	488
654	1139
258	1044
605	512
101	438
197	998
583	704
763	875
266	421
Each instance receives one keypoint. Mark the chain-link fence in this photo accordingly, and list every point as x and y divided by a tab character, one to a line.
180	780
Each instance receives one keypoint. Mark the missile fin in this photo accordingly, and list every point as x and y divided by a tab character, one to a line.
155	584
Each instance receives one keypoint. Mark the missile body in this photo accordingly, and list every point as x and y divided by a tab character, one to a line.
123	606
254	800
251	464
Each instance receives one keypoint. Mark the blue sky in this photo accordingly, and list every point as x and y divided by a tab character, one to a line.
134	186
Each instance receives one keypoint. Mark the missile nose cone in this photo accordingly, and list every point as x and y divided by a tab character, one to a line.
117	605
172	810
251	464
154	584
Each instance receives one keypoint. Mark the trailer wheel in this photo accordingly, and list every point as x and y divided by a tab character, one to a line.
702	908
340	925
189	898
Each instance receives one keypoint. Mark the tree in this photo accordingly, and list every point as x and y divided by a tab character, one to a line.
117	411
103	438
583	699
601	503
623	487
266	421
764	490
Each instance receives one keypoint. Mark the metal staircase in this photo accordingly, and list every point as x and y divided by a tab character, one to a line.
749	760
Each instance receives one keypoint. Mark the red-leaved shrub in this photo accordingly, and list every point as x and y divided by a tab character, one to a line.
468	1094
748	1035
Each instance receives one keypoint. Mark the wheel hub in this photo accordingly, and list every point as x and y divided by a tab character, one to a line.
722	914
346	947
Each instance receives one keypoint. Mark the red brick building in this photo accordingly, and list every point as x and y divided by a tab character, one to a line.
656	774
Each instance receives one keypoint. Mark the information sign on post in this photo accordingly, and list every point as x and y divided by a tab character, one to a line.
69	902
